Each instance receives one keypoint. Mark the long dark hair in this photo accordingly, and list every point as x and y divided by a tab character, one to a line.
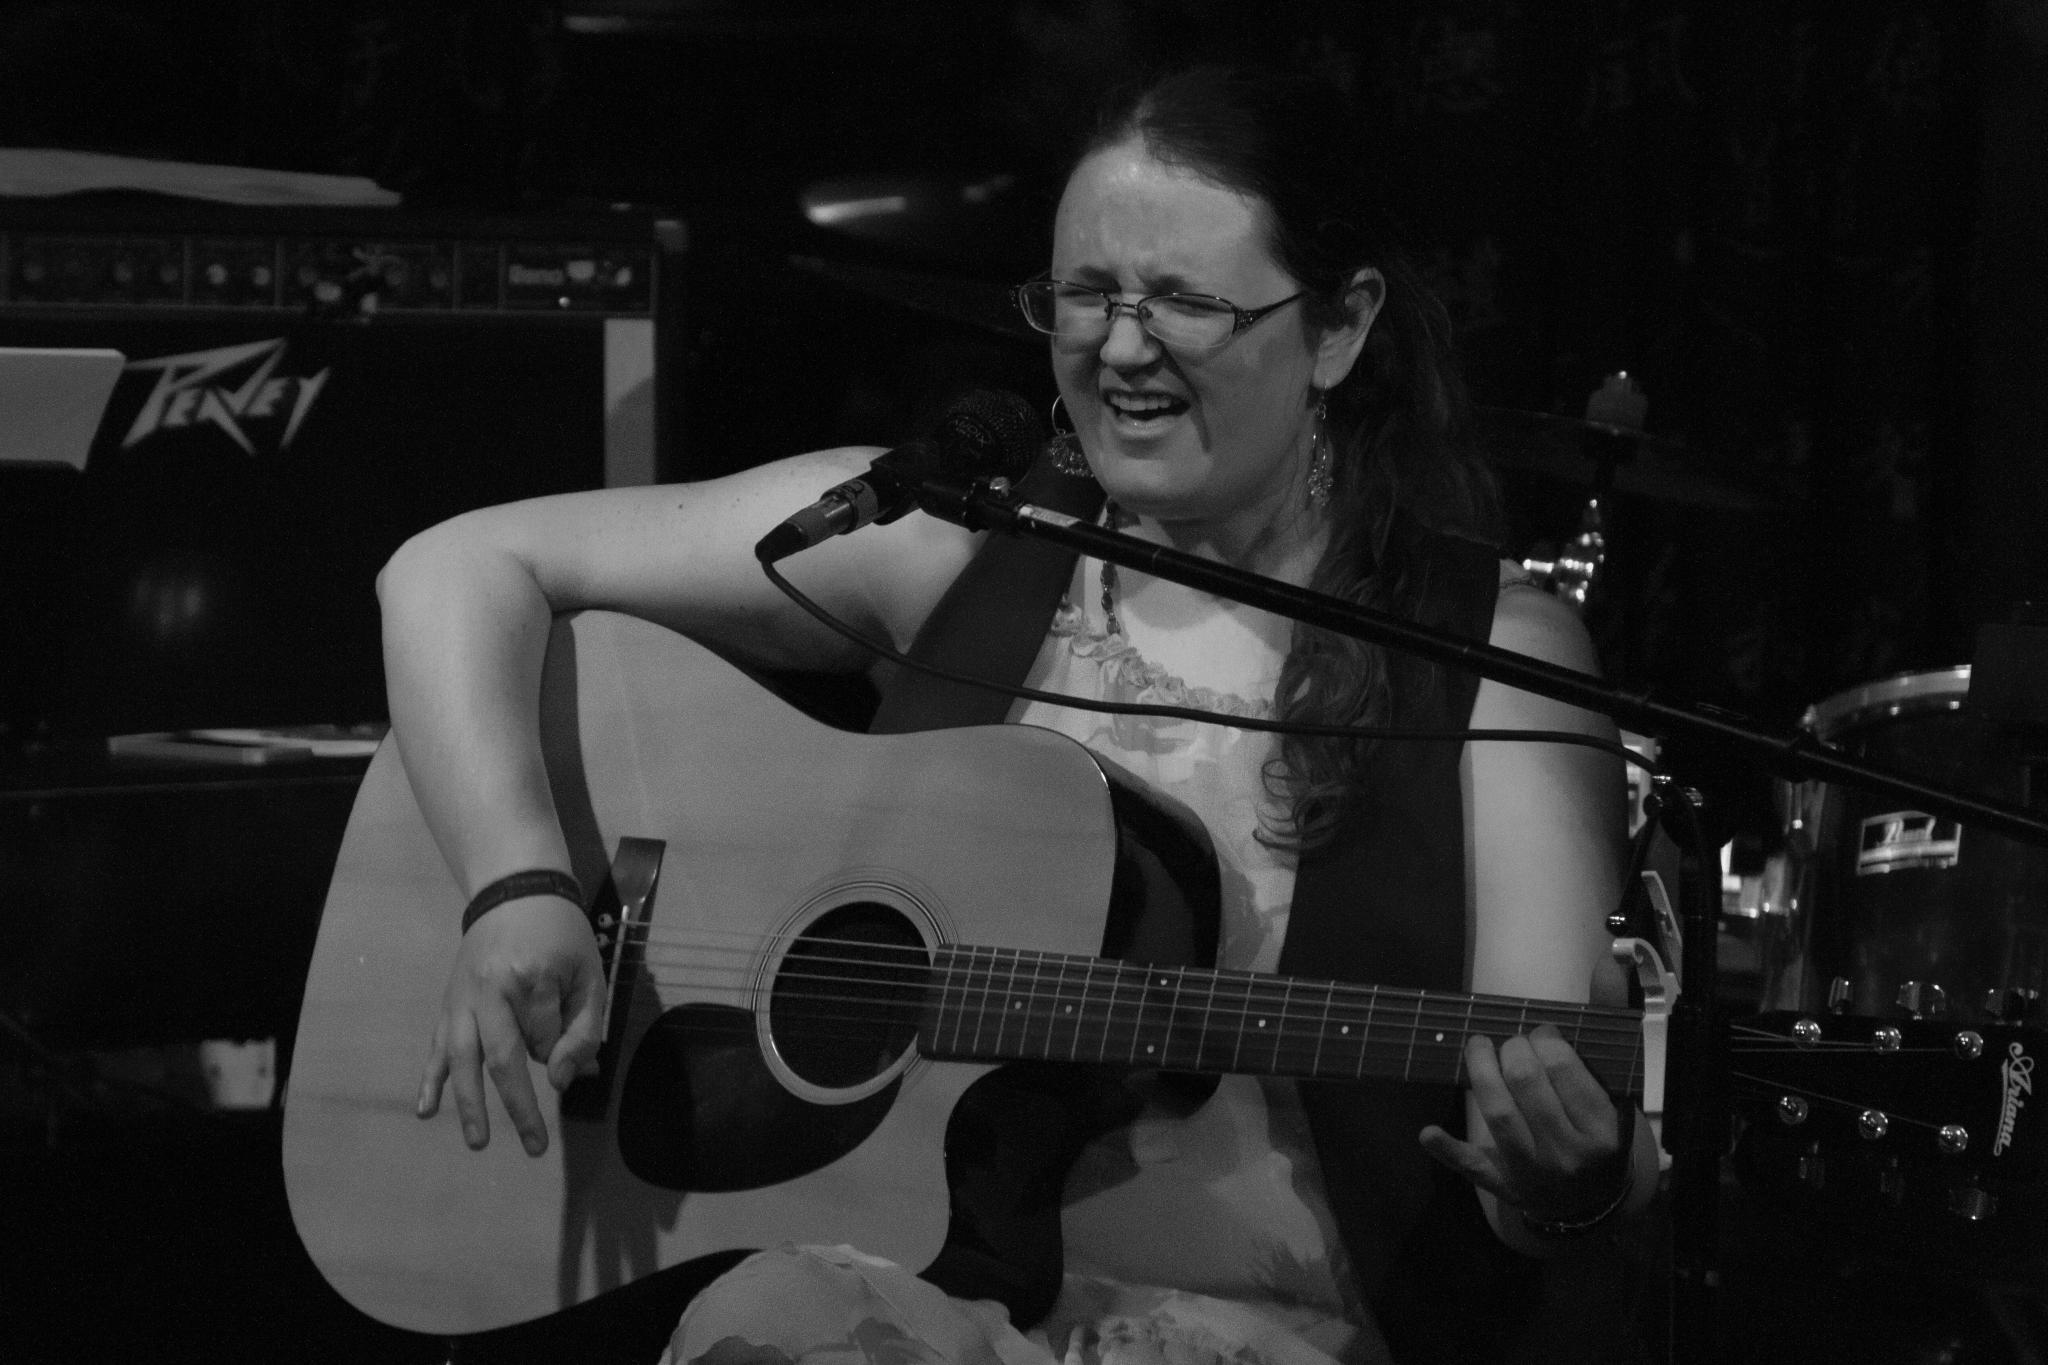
1400	422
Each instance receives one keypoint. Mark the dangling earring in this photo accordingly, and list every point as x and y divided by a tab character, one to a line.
1322	459
1065	446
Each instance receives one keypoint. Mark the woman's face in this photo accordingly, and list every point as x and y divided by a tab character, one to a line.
1218	435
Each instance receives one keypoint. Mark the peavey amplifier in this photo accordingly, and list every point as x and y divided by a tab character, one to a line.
302	390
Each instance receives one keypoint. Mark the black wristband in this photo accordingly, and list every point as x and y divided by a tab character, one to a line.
1581	1223
539	881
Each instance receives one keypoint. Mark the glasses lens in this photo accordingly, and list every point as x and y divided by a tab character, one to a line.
1190	321
1051	306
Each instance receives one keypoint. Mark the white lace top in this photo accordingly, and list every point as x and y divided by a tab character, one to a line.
1227	1201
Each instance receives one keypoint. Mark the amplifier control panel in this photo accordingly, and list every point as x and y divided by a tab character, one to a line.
326	275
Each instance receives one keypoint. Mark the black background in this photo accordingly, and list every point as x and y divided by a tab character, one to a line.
1813	231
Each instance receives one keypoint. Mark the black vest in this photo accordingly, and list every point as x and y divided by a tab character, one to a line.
1384	903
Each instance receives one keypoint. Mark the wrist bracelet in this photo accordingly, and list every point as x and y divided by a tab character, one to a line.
1559	1228
539	881
1578	1224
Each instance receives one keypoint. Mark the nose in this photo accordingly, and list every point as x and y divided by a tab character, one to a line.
1127	341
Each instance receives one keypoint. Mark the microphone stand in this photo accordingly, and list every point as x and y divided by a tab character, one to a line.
1694	1091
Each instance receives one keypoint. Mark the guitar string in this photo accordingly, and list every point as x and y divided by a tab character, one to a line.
1114	975
1124	1034
1136	1022
992	961
1040	1029
1289	1060
1424	1010
1764	1084
1173	1052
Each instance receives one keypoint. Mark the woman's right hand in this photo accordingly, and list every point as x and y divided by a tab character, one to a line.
527	982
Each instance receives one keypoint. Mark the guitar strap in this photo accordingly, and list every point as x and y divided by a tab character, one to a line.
1383	902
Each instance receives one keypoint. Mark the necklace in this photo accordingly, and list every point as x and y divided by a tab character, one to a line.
1110	622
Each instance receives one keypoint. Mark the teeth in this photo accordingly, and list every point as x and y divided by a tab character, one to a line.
1144	405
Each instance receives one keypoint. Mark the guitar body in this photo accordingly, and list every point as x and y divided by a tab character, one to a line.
723	1120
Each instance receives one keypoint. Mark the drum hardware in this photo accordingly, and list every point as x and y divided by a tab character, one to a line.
1608	450
1881	905
1614	418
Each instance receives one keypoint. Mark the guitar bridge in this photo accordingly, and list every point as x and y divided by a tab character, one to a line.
618	915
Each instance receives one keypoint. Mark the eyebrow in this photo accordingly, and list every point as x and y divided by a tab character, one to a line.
1096	278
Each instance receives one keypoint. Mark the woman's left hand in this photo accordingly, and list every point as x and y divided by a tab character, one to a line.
1552	1135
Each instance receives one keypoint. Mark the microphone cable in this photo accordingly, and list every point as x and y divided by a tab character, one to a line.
1118	708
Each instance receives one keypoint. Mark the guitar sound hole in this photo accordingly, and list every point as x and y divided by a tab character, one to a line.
847	998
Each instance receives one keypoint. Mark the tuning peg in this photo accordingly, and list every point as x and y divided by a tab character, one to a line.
1972	1202
1840	992
1923	999
1812	1168
2010	1004
1891	1183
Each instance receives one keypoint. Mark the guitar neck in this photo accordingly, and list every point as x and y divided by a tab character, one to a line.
996	1004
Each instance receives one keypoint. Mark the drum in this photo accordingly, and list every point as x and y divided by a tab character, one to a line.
1882	909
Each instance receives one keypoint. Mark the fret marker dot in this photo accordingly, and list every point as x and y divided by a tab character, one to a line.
1070	1009
1150	1049
1345	1029
1016	1004
1439	1037
1262	1023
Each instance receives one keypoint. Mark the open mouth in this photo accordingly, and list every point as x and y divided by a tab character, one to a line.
1143	408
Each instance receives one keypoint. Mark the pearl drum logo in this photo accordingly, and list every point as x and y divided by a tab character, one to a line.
237	389
1904	839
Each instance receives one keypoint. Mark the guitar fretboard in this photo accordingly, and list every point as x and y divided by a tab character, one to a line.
995	1004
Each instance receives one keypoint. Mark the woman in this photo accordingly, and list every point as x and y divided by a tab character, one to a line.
1308	430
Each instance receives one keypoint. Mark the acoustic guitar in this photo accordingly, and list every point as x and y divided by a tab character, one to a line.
862	989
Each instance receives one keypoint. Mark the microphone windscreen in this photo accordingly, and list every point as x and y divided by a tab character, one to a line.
989	433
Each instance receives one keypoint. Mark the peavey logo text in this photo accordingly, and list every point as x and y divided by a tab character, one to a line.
2018	1071
185	396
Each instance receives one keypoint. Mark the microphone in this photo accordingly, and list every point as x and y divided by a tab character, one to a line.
984	434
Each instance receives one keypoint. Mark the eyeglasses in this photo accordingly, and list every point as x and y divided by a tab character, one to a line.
1186	322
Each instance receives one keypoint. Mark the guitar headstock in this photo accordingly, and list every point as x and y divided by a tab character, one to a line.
1899	1113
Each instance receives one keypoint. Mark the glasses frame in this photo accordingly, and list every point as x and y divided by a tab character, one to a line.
1241	318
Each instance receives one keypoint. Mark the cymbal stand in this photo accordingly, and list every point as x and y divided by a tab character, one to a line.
1571	575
